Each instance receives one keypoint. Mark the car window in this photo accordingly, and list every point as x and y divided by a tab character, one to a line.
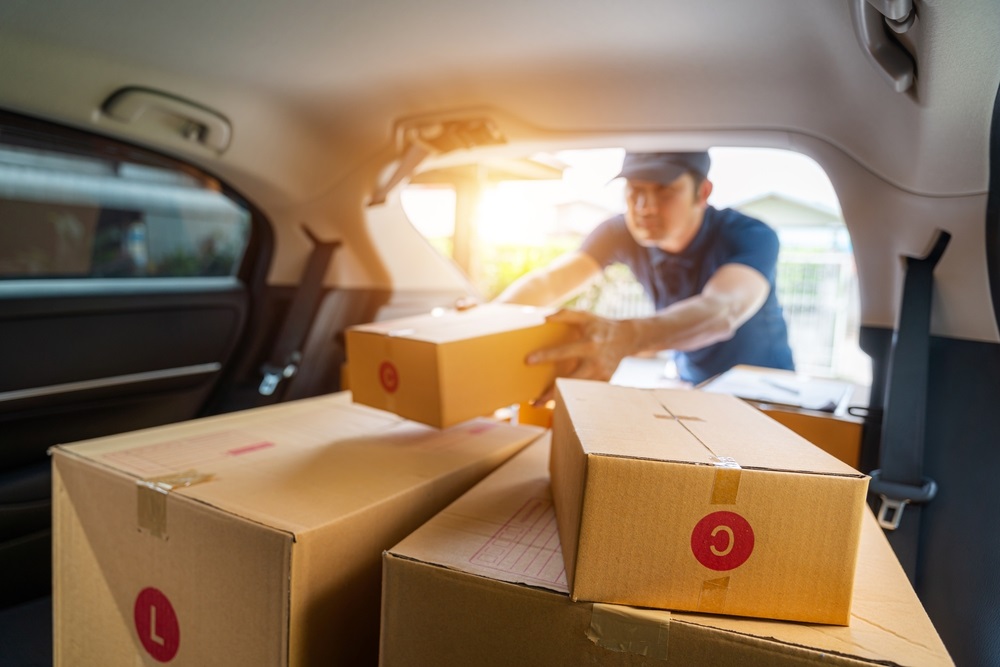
72	209
517	225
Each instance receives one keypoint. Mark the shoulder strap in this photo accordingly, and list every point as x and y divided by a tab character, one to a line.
899	482
287	352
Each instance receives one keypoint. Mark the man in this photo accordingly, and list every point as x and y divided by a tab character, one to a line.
710	273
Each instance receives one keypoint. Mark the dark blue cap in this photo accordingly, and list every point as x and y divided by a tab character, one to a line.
663	168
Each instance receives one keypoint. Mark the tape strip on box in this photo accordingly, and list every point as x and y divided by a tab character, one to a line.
151	501
712	599
630	630
725	489
727	480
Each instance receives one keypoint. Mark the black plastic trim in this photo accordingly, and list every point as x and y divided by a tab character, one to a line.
993	211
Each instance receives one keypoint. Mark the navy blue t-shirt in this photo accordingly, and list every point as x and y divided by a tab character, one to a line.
725	237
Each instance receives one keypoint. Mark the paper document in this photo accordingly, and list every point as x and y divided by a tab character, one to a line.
782	388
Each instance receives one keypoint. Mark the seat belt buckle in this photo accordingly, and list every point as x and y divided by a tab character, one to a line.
896	496
274	375
890	512
269	383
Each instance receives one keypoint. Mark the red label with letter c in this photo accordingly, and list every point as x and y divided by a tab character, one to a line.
388	376
722	541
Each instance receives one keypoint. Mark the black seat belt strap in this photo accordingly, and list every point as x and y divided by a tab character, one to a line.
900	481
287	352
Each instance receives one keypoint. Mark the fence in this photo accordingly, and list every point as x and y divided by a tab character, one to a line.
818	293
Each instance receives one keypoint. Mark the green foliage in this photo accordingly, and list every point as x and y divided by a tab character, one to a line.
500	265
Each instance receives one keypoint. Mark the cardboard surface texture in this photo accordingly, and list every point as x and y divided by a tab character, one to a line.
483	583
447	367
253	538
686	500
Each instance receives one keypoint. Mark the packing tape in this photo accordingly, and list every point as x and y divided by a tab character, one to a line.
151	501
630	630
726	486
713	595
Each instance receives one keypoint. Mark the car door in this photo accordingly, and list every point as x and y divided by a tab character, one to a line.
126	281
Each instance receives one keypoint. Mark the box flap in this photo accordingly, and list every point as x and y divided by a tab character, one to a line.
445	326
504	529
340	456
687	426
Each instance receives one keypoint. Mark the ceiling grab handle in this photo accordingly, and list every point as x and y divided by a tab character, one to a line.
170	115
414	155
891	60
894	10
419	138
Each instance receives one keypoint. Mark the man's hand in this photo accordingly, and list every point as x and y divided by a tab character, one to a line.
601	345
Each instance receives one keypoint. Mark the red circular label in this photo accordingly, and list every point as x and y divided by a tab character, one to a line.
722	541
388	376
156	623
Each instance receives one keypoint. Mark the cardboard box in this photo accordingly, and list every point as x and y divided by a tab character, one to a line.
483	584
794	400
687	500
837	435
253	538
449	366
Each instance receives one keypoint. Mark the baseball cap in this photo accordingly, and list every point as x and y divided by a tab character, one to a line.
663	168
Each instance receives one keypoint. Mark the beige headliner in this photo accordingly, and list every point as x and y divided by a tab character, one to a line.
344	70
313	89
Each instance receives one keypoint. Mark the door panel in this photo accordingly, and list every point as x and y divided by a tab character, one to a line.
126	285
85	362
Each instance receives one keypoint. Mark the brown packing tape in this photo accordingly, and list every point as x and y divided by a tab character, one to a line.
713	595
725	489
726	486
151	500
630	630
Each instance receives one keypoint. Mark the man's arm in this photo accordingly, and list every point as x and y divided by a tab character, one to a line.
554	284
731	297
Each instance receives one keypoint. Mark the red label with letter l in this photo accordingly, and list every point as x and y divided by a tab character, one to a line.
722	541
156	624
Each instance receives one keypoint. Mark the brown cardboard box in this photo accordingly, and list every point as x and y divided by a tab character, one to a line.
838	435
483	584
687	500
449	366
794	399
249	539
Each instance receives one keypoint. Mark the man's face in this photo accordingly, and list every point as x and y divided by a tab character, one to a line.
665	216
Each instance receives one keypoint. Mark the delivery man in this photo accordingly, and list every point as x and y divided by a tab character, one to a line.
710	274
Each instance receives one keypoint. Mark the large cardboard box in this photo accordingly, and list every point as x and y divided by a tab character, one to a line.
248	539
686	500
449	366
483	584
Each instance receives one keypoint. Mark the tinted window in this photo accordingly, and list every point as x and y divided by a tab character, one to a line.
72	209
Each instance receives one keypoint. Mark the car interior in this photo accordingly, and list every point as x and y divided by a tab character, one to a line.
197	199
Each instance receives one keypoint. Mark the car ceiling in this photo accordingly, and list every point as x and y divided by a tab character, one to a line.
314	90
339	72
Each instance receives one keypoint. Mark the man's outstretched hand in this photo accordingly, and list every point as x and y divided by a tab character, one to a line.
600	346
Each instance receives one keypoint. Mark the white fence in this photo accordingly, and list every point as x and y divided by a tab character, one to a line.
817	290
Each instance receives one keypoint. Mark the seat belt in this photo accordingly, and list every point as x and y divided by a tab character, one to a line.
899	482
286	354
